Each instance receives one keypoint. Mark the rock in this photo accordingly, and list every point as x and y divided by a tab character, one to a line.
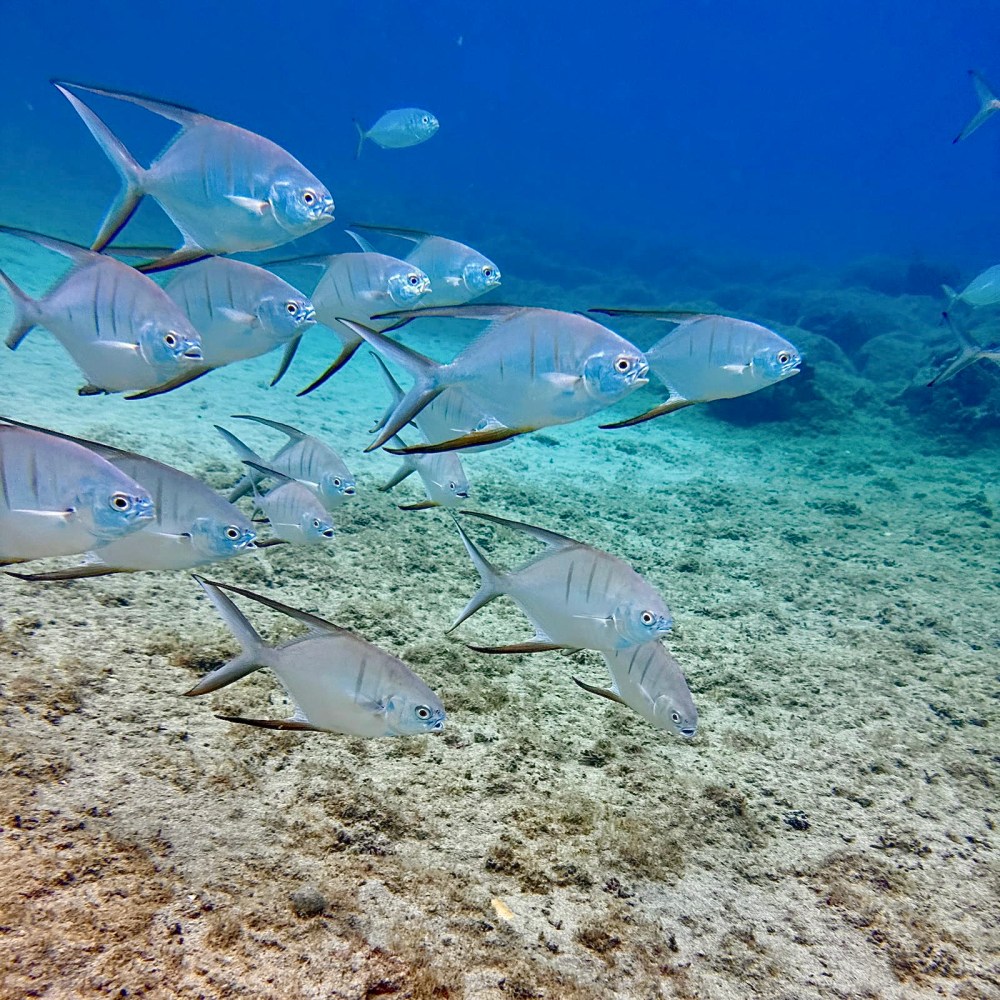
308	901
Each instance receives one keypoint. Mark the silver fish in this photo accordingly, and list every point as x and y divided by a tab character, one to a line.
649	680
58	498
192	526
294	513
241	311
339	682
457	273
302	458
398	129
983	290
122	330
710	357
576	596
226	189
530	368
971	352
989	105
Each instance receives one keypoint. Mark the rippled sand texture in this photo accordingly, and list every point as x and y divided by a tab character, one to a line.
828	833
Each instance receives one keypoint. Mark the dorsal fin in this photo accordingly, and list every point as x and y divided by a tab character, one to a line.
551	538
293	433
313	621
413	235
76	253
184	116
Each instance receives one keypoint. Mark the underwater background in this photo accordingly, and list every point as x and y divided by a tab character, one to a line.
828	545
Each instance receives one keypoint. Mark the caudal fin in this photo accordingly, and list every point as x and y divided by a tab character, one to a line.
252	654
988	106
26	313
132	174
491	585
361	138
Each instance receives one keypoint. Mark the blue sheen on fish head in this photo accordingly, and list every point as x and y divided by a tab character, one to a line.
316	529
424	125
285	317
480	275
676	712
215	539
407	284
164	346
639	623
414	714
334	488
615	375
300	203
776	362
111	515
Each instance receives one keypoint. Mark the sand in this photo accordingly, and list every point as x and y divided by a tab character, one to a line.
829	550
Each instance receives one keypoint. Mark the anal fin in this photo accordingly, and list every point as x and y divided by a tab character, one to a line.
284	724
670	406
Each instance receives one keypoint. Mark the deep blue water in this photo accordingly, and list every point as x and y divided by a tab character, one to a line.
818	131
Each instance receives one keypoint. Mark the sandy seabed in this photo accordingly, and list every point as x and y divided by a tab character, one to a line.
829	832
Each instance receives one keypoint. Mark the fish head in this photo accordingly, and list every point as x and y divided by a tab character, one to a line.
170	345
215	538
614	374
776	362
110	515
316	528
406	285
675	712
336	487
286	316
425	124
451	488
300	204
414	714
480	275
639	622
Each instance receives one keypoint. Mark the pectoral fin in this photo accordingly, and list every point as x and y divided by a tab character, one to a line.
238	316
657	411
602	692
253	205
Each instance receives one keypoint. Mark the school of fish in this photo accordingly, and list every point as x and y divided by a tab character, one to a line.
228	190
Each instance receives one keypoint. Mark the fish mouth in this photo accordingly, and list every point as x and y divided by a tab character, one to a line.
328	533
193	354
350	491
688	731
308	315
464	495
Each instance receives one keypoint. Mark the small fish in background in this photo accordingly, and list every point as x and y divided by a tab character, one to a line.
339	682
709	357
988	106
530	368
356	286
122	330
983	290
294	513
971	352
457	273
443	476
192	524
303	458
59	498
648	680
398	129
225	189
576	596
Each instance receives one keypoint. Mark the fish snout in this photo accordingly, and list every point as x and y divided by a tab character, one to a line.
327	532
688	731
350	491
144	509
193	353
462	494
308	314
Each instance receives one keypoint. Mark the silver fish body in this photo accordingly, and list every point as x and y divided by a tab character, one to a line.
296	514
225	188
989	105
122	330
303	458
339	682
983	290
648	680
60	498
576	596
240	311
399	128
971	352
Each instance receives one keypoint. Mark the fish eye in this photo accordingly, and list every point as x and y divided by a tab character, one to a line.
452	486
488	272
414	280
308	197
232	533
675	718
291	308
623	364
120	501
170	339
336	483
647	618
423	712
426	120
784	357
315	522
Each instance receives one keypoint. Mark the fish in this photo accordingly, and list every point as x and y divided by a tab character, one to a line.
707	357
576	596
457	273
443	476
970	353
648	680
339	682
294	512
192	524
59	498
226	189
303	458
356	286
241	311
988	106
122	330
983	290
398	129
530	368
